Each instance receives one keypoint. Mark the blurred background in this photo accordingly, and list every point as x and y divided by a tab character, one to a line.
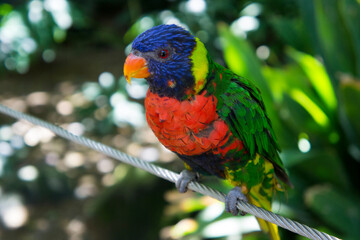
61	61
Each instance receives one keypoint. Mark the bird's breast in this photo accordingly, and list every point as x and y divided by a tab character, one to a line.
189	127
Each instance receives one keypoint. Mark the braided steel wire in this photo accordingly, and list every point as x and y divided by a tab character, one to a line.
281	221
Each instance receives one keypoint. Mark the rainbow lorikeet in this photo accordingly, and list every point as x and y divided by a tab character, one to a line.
213	119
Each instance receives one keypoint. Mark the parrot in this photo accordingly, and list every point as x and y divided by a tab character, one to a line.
211	118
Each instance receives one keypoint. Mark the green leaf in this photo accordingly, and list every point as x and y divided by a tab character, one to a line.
336	208
329	35
290	81
317	114
318	77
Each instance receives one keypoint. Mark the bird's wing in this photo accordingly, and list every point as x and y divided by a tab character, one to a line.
242	108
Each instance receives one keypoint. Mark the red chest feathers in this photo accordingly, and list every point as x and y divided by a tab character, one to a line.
189	127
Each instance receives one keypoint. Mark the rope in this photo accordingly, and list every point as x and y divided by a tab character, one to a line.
283	222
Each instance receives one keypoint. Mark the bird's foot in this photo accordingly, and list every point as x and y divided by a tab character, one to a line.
185	178
232	198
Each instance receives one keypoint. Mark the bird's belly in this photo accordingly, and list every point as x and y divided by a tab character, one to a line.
190	127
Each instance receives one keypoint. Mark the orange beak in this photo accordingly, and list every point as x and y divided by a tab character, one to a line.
135	67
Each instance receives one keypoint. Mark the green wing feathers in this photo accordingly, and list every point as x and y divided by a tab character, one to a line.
243	110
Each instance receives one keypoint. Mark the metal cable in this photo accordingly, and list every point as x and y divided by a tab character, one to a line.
283	222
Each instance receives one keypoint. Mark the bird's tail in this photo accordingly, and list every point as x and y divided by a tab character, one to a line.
261	195
267	227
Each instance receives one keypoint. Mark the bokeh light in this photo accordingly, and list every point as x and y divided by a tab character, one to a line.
5	149
253	9
64	107
74	159
37	134
17	142
6	133
137	89
263	52
37	99
28	173
60	11
13	29
91	90
75	229
35	13
212	212
183	227
126	111
49	55
86	187
146	23
244	24
12	211
106	79
231	227
196	6
150	154
16	42
105	165
304	145
76	128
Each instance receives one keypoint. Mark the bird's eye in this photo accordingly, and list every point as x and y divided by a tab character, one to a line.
163	53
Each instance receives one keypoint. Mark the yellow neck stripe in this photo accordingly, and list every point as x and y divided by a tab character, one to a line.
200	65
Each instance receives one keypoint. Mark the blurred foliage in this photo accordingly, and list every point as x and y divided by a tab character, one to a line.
61	61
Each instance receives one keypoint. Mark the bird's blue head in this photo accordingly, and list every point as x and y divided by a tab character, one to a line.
173	61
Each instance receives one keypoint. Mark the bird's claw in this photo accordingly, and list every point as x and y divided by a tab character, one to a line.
185	178
232	198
